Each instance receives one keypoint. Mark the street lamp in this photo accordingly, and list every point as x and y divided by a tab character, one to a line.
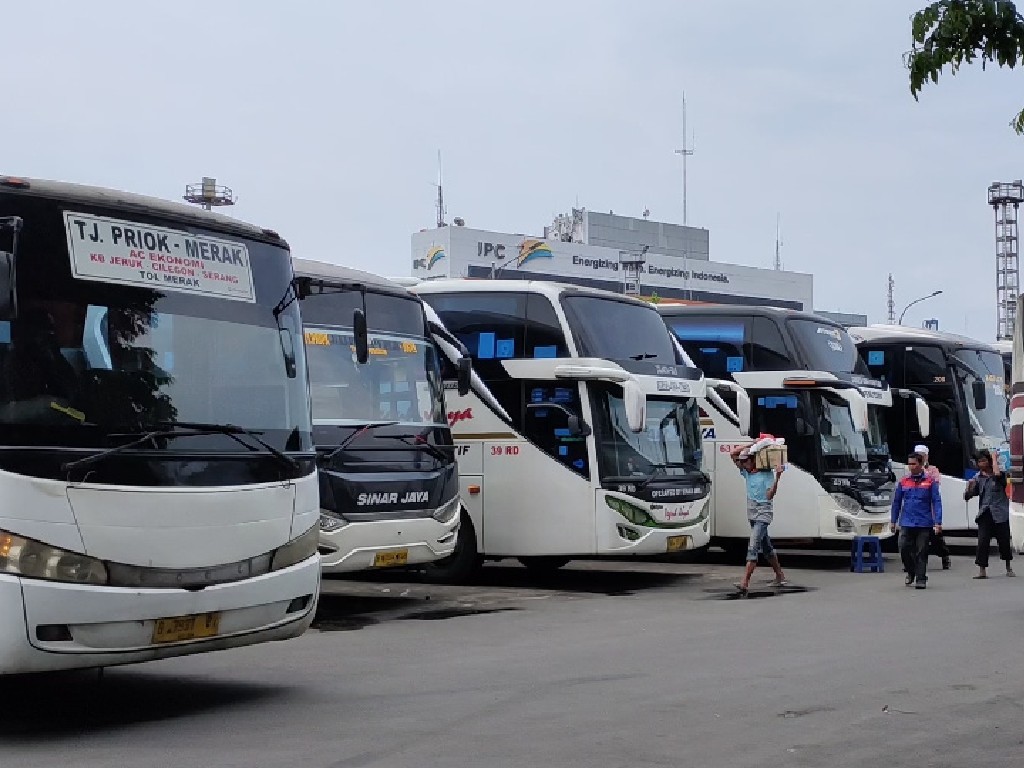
916	301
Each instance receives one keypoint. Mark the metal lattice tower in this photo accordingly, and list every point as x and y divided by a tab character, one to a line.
892	300
1005	198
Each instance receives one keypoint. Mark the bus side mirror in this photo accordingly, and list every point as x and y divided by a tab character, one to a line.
635	403
924	425
8	306
577	428
362	342
980	395
465	375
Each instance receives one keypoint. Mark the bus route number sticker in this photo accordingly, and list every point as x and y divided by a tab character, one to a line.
131	253
504	450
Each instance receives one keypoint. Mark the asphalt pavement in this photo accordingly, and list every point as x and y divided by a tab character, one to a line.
601	664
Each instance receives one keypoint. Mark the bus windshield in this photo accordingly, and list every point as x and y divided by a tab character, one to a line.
974	365
670	445
89	359
877	443
827	347
401	380
842	447
618	330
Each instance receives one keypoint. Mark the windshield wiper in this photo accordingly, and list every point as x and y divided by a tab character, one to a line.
643	356
70	466
364	428
233	431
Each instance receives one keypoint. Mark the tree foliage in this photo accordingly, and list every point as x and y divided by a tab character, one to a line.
956	32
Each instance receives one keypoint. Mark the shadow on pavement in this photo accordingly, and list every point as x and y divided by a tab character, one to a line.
75	703
614	581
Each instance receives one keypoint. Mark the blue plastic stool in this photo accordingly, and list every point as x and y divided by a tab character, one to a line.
866	555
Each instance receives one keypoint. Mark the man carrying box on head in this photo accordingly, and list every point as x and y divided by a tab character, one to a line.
762	485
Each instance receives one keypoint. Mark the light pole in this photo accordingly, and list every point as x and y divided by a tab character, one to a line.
916	301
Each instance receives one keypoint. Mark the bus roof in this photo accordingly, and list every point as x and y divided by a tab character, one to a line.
549	288
901	333
675	310
143	204
327	271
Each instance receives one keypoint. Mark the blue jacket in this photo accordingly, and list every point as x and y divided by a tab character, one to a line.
916	502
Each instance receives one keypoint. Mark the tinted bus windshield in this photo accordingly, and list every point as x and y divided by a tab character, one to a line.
670	444
104	353
975	365
618	330
401	379
827	347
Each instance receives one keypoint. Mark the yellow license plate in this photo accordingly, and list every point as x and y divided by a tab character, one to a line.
180	628
876	529
389	559
678	543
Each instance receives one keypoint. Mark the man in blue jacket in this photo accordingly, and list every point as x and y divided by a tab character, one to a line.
916	512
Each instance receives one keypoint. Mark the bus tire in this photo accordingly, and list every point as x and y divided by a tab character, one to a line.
544	564
462	564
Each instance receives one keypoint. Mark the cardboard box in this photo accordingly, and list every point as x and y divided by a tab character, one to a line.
771	457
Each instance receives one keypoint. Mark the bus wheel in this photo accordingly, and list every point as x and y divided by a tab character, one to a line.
462	564
544	564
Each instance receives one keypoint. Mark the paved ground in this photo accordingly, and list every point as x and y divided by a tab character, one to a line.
602	665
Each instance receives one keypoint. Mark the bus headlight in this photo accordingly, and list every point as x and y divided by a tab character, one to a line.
35	560
846	503
330	522
636	515
447	512
295	551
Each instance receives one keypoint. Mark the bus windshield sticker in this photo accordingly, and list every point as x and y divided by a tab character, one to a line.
128	252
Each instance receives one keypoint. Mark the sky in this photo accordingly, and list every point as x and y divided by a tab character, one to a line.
326	118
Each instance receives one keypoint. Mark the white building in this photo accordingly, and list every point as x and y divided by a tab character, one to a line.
598	250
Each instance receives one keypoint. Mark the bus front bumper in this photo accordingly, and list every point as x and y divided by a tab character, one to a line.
53	626
842	525
387	543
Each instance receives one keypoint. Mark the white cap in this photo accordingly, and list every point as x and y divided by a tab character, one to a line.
921	449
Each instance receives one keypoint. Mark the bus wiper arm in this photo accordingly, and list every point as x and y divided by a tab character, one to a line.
362	430
191	428
642	356
70	466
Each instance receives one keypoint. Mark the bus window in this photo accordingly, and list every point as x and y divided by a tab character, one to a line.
765	348
546	423
715	344
544	337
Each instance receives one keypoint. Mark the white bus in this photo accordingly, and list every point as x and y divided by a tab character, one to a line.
156	456
807	385
585	441
962	381
389	485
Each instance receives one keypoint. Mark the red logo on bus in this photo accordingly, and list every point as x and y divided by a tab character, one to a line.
454	417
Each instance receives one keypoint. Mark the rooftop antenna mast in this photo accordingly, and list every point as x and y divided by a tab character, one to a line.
686	151
778	241
892	300
440	195
209	194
